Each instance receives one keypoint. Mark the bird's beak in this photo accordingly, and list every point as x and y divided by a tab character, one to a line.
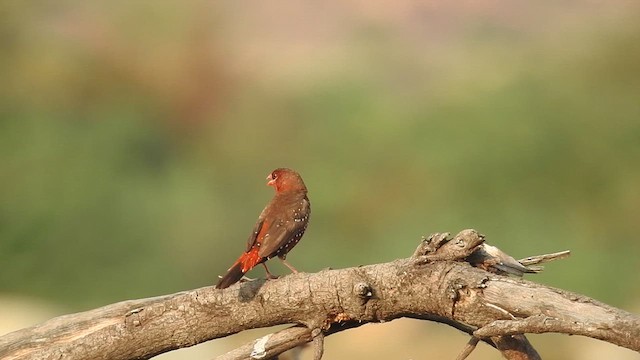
271	181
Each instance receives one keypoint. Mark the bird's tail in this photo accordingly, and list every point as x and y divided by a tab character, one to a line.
231	277
246	262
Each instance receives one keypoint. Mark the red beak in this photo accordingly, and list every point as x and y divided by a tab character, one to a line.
272	181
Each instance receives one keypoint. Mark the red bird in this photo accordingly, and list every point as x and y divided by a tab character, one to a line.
279	228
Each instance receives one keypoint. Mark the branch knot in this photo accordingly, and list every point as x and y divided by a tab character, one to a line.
438	247
363	291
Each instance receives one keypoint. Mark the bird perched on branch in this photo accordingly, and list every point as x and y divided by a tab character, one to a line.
279	228
494	260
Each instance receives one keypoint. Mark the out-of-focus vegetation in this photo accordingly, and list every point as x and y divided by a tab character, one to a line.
135	137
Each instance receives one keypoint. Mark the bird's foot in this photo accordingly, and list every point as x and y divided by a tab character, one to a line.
272	277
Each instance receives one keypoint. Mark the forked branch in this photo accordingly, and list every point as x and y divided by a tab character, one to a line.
433	284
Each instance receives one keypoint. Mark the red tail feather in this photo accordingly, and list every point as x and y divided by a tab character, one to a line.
246	262
249	259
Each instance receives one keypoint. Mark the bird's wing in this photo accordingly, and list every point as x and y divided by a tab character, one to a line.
278	235
257	228
284	232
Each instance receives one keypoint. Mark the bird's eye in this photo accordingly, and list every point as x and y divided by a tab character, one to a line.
274	175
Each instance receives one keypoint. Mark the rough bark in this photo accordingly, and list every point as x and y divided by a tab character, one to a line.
494	308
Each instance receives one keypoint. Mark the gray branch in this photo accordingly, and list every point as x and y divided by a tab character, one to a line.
432	284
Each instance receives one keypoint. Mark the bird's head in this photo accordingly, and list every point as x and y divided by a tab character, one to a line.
284	180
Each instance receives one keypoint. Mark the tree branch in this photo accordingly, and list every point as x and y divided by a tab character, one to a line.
271	345
494	308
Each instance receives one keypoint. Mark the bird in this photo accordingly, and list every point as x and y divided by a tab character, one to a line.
494	260
279	228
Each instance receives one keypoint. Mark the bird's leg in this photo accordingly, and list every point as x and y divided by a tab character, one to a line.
293	270
269	274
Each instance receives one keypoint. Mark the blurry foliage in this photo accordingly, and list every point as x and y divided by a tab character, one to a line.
134	166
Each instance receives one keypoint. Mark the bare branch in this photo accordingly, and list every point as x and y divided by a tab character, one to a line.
516	347
270	345
471	345
495	308
318	346
539	259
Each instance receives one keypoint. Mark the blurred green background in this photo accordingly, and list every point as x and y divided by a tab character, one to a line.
135	138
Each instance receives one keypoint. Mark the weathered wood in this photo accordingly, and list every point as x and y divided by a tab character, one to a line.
452	292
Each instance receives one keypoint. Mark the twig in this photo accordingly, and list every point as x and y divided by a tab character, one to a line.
533	324
270	345
539	259
471	345
318	345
